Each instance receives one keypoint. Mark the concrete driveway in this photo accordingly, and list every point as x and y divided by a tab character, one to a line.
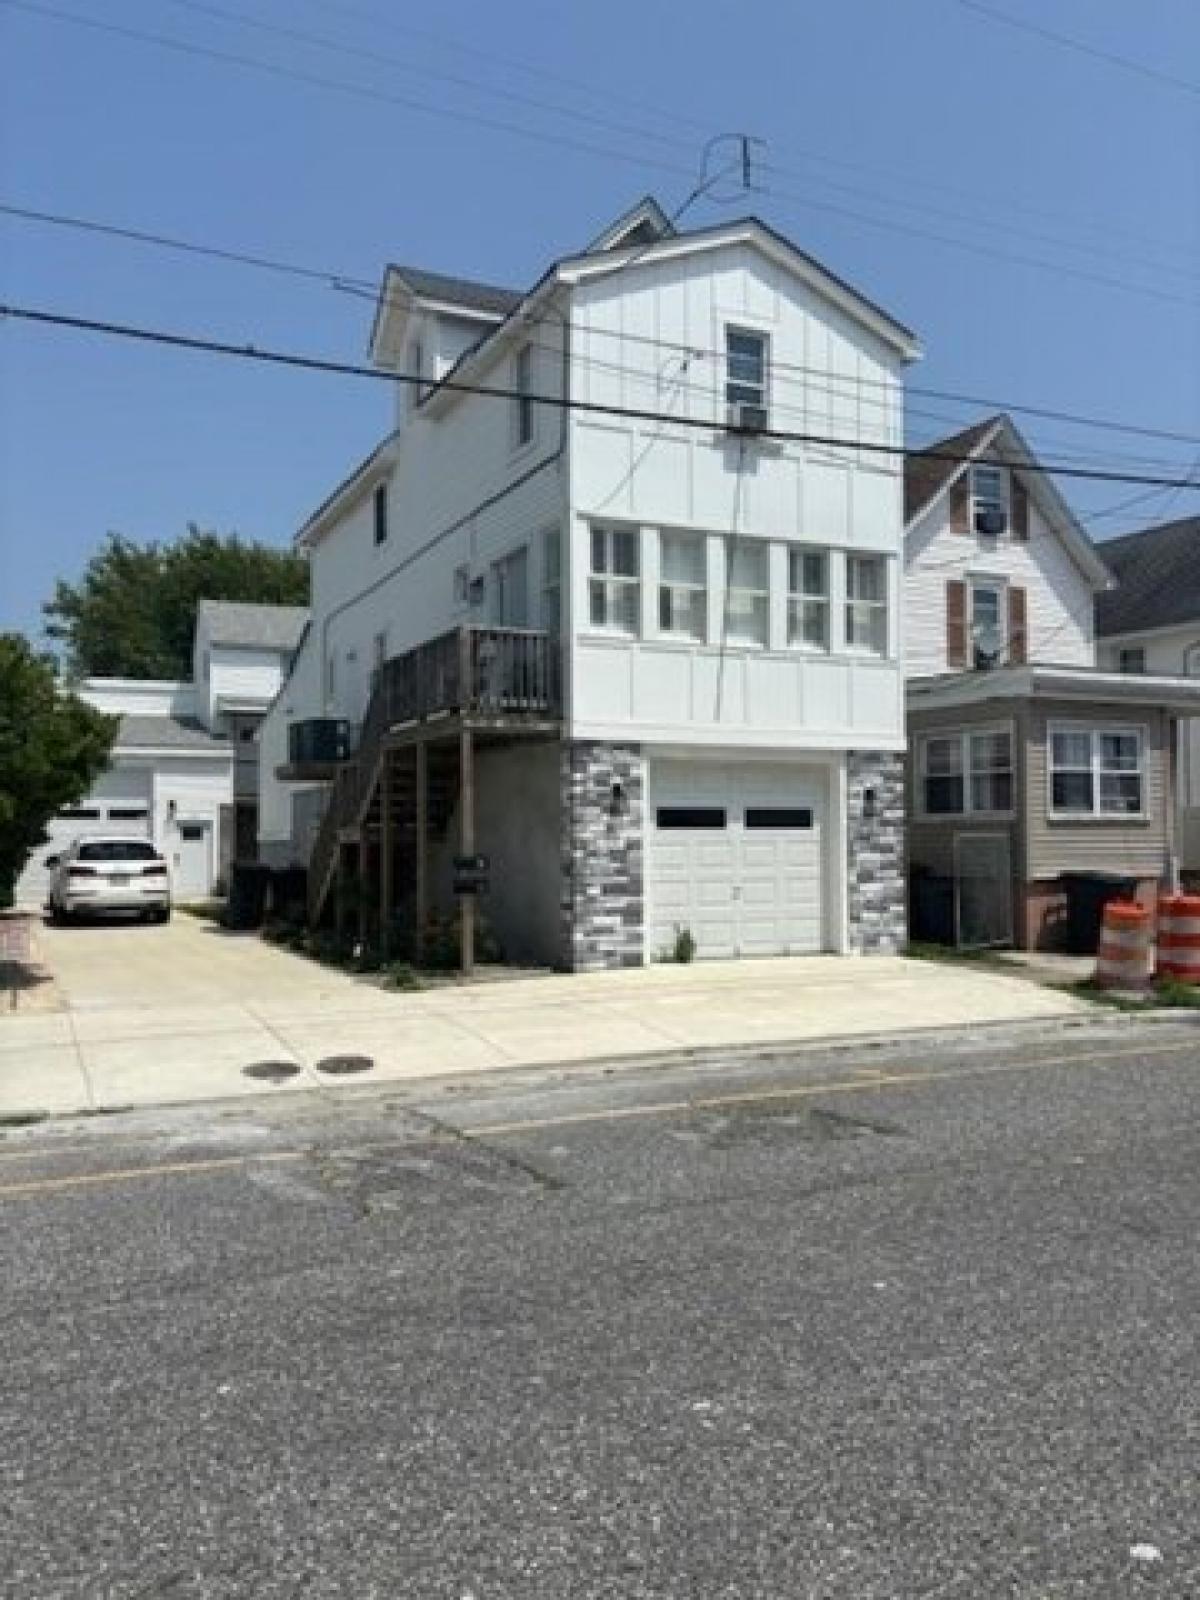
155	1015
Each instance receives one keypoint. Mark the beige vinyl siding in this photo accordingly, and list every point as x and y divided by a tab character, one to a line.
931	840
1137	847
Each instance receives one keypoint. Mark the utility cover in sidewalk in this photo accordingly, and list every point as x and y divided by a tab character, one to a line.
271	1071
338	1066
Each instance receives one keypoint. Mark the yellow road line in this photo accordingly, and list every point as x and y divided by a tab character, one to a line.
915	1078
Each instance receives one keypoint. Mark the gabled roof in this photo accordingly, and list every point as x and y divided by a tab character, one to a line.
1158	579
642	224
167	733
254	627
468	293
929	473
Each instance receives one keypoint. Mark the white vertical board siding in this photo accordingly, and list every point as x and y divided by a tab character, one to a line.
652	337
243	676
445	470
298	699
198	787
1060	599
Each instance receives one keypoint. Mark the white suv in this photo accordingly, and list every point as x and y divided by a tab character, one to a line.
97	875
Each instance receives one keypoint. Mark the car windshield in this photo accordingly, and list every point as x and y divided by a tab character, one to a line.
118	850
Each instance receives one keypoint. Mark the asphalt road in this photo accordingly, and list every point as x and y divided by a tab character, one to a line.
911	1322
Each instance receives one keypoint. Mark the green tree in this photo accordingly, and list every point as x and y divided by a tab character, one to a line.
53	747
132	613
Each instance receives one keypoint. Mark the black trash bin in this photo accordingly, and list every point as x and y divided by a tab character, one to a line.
931	907
247	901
1087	895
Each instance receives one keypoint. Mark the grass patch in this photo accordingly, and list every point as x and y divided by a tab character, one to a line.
1162	994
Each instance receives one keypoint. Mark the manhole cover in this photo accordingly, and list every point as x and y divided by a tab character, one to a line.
271	1071
337	1066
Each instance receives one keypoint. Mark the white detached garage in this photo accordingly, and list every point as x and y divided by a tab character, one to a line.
739	853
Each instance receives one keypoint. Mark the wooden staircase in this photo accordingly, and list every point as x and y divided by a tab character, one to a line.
493	681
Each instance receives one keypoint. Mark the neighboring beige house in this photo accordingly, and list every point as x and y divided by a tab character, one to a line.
1026	761
1150	624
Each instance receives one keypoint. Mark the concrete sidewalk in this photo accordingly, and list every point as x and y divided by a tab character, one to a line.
168	1015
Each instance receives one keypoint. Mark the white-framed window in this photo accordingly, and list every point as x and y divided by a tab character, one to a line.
1131	658
415	366
988	621
1096	772
747	592
523	404
379	513
614	584
551	607
510	589
990	512
378	654
867	604
683	586
808	599
966	772
746	363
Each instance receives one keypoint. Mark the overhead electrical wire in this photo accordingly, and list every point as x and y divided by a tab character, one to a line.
296	361
368	288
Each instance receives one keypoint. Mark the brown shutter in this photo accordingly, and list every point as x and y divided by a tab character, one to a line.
956	624
960	505
1020	509
1018	627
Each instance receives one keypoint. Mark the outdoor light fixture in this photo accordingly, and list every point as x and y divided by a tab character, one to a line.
870	803
618	801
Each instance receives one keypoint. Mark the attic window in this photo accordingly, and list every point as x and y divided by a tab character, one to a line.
745	368
989	499
523	400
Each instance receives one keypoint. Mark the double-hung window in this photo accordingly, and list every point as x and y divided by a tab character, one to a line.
808	599
1131	658
523	414
683	586
745	368
966	773
989	498
510	589
867	604
987	622
615	587
1096	772
552	581
747	592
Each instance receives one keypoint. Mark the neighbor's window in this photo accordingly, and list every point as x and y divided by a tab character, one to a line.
989	498
747	596
510	589
867	604
808	599
967	772
745	367
380	510
1096	772
614	588
683	586
523	401
1132	658
552	581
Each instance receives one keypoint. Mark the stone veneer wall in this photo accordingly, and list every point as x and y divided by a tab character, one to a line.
603	902
875	852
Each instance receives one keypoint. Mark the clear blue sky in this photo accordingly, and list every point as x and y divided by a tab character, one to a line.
924	115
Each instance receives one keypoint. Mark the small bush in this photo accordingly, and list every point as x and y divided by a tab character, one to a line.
684	948
400	975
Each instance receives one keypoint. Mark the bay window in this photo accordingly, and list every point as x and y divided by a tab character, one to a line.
808	599
683	586
1096	772
614	587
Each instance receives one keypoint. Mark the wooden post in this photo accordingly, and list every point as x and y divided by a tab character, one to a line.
422	864
385	855
339	892
364	867
466	805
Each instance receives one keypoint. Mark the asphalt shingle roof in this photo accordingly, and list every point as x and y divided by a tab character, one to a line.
1158	578
925	476
167	733
467	292
237	622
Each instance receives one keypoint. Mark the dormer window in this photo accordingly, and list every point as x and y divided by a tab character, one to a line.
989	499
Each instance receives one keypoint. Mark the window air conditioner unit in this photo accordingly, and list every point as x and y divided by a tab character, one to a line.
746	418
990	523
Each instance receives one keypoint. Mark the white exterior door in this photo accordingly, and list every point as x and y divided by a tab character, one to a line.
735	855
191	860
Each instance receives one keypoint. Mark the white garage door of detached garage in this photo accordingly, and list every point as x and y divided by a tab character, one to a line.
735	854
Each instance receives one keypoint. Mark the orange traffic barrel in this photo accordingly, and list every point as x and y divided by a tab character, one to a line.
1124	959
1179	937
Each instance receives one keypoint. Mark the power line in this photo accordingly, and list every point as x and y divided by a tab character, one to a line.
1067	42
251	352
370	288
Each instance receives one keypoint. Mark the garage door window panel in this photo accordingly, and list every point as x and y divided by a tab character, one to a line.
683	589
778	817
706	817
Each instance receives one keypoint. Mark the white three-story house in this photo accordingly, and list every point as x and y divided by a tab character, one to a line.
607	628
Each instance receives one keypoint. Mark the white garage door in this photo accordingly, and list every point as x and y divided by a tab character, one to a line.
735	854
125	815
